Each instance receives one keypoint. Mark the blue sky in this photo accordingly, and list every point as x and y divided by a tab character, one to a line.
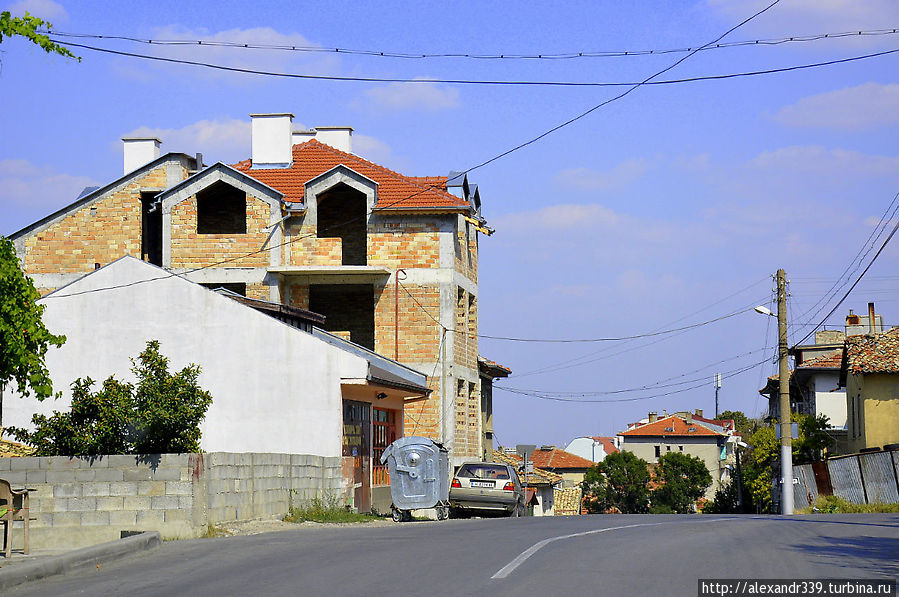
670	207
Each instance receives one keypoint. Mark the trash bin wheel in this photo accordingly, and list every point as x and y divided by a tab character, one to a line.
442	512
398	515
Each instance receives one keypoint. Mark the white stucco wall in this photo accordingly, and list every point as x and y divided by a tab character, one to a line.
584	447
830	399
274	388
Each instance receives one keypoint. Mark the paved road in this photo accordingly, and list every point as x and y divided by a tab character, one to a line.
582	555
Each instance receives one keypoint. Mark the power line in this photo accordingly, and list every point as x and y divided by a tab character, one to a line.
288	75
502	56
552	396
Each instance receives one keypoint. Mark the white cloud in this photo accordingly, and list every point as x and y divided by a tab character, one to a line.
218	140
413	96
559	217
372	149
286	61
620	175
854	108
31	191
47	10
825	163
814	16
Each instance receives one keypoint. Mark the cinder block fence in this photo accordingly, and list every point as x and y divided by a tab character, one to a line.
83	501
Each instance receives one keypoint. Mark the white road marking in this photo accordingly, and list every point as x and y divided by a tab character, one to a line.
523	556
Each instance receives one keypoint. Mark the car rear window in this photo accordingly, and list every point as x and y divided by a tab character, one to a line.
483	471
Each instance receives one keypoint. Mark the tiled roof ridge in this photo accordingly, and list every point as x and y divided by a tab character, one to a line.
650	428
818	362
408	179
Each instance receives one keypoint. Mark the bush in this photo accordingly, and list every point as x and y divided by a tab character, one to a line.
160	415
726	500
831	504
327	509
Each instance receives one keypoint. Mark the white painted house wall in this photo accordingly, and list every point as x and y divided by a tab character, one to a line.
830	399
275	388
587	447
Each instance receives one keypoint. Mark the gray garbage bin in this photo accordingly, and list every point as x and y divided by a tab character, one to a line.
419	476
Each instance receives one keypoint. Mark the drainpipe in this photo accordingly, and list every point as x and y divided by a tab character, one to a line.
396	314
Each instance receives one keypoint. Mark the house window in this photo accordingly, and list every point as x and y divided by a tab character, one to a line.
383	433
347	308
667	448
658	451
680	448
151	228
342	213
221	209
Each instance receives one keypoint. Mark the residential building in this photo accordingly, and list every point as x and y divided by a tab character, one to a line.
540	485
870	374
593	448
390	260
279	385
815	387
569	466
712	441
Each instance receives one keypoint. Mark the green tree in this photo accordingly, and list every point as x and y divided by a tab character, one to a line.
745	426
726	500
763	454
24	339
617	483
682	479
29	27
160	414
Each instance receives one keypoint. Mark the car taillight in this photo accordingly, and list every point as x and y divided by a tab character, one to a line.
456	483
509	486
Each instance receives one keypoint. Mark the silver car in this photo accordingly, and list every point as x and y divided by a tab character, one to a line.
486	487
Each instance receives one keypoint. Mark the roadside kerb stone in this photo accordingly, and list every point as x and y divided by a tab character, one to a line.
20	573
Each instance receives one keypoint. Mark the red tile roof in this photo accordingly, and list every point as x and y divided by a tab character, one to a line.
395	191
831	360
676	425
537	477
873	354
608	444
556	459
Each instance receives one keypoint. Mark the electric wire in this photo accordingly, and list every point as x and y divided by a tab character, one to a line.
504	83
467	55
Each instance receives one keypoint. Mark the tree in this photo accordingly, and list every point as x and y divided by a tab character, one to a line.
617	483
726	500
24	339
28	27
745	426
682	479
160	414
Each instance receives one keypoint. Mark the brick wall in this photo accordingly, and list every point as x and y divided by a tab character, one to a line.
419	334
83	501
98	233
190	249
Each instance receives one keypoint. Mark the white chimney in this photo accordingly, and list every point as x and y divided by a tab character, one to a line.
271	140
302	136
338	137
139	151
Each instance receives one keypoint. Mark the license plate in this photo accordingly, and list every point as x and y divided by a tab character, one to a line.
482	484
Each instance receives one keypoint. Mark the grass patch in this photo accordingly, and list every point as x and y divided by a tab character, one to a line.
326	510
832	504
213	531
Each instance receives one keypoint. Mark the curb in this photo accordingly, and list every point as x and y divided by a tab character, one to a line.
79	558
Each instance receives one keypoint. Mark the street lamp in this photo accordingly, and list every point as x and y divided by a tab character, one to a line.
786	435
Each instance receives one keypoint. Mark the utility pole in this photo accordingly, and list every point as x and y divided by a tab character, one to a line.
786	435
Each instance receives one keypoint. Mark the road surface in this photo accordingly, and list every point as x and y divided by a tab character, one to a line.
579	555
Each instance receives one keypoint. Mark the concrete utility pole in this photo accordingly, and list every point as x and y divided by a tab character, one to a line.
786	435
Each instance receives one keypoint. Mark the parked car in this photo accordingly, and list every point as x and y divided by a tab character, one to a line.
486	487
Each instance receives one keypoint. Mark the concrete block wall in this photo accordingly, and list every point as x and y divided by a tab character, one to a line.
84	501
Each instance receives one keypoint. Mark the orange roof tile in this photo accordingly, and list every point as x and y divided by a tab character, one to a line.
559	459
608	444
831	360
537	477
667	427
873	354
395	191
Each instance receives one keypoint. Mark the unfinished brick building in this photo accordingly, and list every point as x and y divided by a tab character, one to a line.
390	260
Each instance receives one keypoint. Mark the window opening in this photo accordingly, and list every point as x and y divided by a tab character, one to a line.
347	308
151	228
342	214
235	287
221	209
